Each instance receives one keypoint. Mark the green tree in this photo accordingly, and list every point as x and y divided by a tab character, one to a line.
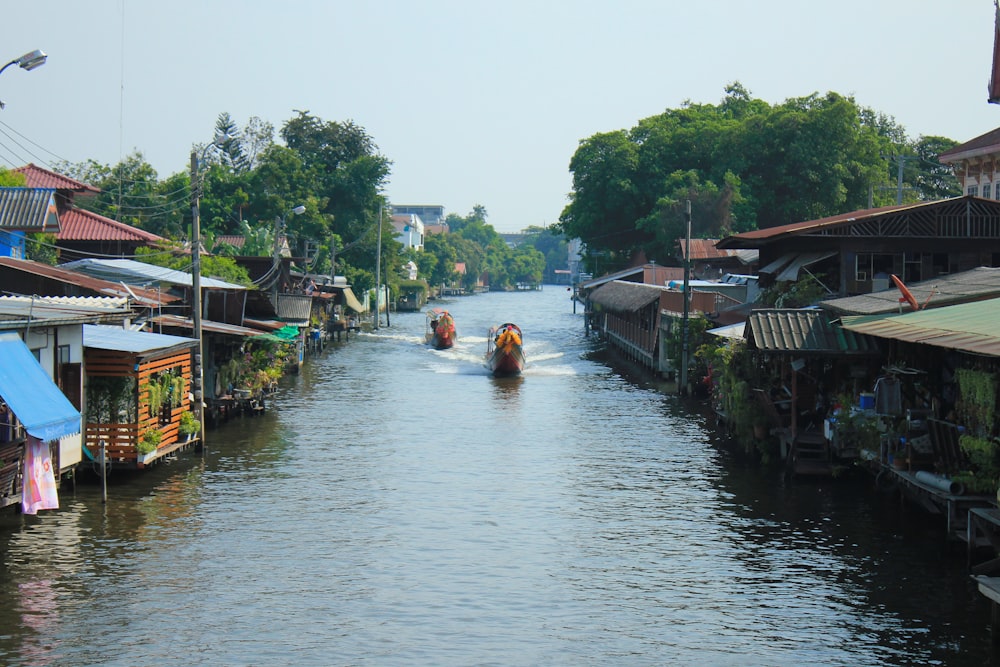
743	163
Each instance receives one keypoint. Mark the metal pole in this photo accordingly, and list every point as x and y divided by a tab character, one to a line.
199	412
682	385
899	179
104	472
378	269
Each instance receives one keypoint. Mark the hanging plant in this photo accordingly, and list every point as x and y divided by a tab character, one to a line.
984	472
978	399
176	390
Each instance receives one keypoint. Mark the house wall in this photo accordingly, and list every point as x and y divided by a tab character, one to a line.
980	176
46	342
12	244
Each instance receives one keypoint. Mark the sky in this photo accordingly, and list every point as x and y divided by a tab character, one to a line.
473	102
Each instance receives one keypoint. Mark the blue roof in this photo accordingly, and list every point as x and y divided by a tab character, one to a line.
39	405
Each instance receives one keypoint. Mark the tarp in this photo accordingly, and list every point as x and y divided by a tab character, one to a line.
352	301
287	333
39	405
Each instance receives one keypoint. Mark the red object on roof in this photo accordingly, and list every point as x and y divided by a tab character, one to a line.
994	91
43	178
80	225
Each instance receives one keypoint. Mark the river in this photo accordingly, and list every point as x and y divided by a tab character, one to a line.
396	505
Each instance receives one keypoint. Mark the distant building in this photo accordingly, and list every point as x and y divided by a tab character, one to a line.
976	165
429	214
409	230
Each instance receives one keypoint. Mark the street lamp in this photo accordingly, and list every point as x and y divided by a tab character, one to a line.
27	62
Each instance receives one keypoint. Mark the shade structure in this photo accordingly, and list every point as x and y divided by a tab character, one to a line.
39	405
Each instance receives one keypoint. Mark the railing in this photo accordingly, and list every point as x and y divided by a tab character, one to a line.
119	440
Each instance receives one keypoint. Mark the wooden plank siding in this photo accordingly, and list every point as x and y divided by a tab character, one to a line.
121	439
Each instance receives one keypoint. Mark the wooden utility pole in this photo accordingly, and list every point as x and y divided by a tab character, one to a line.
682	384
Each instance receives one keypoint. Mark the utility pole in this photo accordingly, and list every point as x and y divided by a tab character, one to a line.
198	375
682	385
333	260
378	269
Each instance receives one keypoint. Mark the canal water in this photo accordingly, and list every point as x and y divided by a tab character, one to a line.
398	506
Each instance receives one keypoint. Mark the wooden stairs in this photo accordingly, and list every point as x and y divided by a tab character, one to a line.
810	454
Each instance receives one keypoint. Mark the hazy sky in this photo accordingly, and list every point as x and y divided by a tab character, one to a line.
473	102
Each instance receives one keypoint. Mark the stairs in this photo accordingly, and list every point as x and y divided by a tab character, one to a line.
810	454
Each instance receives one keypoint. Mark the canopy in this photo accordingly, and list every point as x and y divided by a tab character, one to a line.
352	301
39	405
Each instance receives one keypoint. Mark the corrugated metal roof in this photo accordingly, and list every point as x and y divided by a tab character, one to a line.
131	271
206	325
804	330
124	340
145	297
968	327
56	310
623	296
67	303
294	308
973	285
80	225
29	210
942	207
36	177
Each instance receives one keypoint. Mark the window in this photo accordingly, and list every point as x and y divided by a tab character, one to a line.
871	265
972	190
986	190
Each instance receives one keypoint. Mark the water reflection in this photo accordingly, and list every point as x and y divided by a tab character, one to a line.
400	506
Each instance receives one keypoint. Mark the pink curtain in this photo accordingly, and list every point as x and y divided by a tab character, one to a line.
39	489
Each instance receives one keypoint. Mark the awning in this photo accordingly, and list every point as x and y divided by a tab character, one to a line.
730	331
791	272
786	268
352	301
39	405
778	264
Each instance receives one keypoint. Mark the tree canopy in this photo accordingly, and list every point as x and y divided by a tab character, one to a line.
743	164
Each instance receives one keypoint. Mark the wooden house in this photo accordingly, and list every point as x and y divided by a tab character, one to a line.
857	252
138	384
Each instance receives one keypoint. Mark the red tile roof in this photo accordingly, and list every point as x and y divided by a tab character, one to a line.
981	145
80	225
43	178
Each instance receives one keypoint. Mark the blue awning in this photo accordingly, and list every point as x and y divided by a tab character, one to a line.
36	401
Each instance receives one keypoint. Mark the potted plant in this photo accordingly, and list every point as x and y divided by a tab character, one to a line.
189	426
148	444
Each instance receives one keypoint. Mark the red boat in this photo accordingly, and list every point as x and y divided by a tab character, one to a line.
504	351
440	329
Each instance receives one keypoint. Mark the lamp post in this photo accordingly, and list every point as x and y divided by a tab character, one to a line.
27	62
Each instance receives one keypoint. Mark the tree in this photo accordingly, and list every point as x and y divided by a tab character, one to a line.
931	179
743	163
